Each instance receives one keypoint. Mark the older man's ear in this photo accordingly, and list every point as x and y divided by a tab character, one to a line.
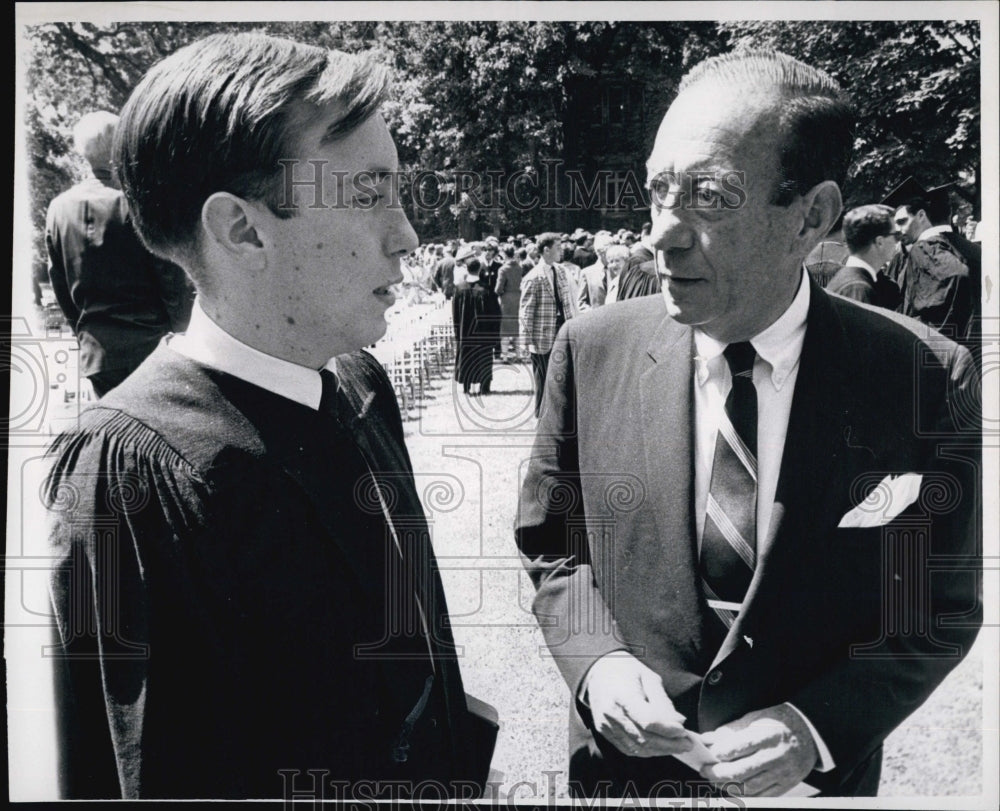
821	206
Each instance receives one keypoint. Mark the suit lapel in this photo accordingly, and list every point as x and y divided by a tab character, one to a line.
667	415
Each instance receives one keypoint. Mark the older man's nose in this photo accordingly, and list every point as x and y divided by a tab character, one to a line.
670	231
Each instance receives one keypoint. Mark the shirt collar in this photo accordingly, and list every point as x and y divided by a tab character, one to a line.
780	345
933	231
857	262
207	343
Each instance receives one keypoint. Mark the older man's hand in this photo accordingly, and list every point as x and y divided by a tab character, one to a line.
767	751
631	709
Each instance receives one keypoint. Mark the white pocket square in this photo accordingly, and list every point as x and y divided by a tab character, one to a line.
888	499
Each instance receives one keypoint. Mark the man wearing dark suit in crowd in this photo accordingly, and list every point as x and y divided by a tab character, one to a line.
118	298
444	273
244	584
585	252
941	273
872	240
508	290
727	478
547	302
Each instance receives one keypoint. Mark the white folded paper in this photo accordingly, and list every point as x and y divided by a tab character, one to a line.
888	499
699	755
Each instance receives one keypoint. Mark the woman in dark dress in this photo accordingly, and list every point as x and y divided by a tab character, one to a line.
489	272
476	316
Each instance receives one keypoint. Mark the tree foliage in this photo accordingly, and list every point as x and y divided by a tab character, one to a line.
915	85
504	96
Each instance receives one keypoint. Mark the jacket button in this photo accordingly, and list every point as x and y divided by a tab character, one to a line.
715	677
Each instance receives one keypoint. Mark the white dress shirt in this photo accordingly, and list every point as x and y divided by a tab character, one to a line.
775	369
612	294
205	342
774	372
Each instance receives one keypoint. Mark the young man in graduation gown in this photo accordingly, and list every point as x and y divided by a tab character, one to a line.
246	596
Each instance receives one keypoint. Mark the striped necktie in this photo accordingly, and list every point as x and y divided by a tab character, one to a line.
729	541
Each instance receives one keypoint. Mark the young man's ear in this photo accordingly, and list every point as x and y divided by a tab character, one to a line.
231	226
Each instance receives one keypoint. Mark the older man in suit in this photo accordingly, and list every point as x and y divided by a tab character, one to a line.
118	298
548	300
733	483
594	277
245	591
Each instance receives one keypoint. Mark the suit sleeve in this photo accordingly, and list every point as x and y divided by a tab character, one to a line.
583	302
57	271
859	700
577	624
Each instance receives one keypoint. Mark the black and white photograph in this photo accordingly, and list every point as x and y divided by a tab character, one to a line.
581	404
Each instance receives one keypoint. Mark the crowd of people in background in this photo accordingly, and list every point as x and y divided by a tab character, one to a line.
908	253
509	295
501	314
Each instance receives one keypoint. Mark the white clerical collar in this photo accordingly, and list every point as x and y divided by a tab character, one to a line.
205	342
857	262
933	231
780	345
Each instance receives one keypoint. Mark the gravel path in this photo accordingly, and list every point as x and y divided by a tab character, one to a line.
469	454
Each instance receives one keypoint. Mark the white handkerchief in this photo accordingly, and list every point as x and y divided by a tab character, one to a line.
888	499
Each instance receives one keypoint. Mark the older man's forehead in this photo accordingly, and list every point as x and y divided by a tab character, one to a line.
688	155
707	124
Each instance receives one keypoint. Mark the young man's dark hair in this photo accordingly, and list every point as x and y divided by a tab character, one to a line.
220	115
547	240
864	223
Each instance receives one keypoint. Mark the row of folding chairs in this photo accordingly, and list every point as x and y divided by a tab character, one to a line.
418	347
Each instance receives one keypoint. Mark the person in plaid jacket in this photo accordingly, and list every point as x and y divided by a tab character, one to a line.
547	301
